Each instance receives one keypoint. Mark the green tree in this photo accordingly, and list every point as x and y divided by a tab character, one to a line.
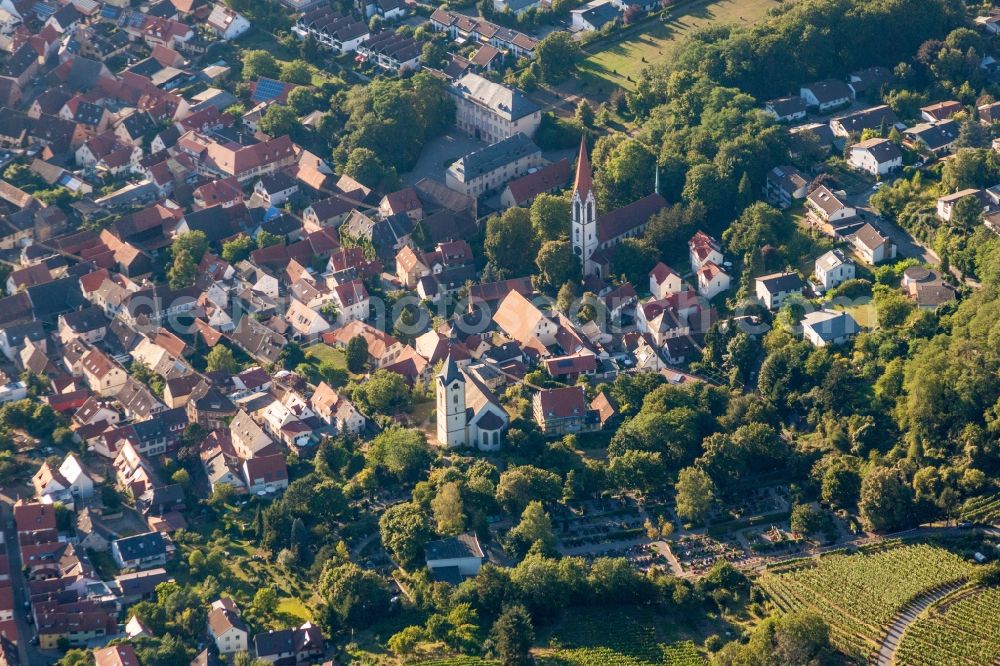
886	501
840	486
585	113
296	71
278	120
384	392
967	213
626	169
404	530
695	494
534	532
525	483
557	55
635	258
794	638
642	471
356	354
238	249
267	239
353	596
400	452
264	604
806	519
433	54
221	358
193	242
302	100
509	243
183	271
364	166
448	508
550	217
556	265
258	63
513	635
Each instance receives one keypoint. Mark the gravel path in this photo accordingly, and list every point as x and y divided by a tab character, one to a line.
906	617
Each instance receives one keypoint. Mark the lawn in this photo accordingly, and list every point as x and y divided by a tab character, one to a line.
620	62
323	353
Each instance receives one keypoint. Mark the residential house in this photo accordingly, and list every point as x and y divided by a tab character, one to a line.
142	551
828	327
946	203
265	474
939	111
712	280
786	109
335	409
396	53
664	281
290	646
872	245
227	628
702	249
936	138
774	289
870	81
785	185
342	34
879	157
826	95
103	375
827	209
564	411
306	324
832	269
249	439
881	118
926	288
226	23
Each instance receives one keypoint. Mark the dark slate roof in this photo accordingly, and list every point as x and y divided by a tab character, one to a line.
150	544
87	319
496	156
274	642
463	545
54	298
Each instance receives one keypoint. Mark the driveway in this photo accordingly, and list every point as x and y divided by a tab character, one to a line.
906	245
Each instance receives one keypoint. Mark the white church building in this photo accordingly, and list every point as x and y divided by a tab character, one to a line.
468	414
594	236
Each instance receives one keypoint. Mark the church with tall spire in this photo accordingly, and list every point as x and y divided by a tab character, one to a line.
468	413
594	236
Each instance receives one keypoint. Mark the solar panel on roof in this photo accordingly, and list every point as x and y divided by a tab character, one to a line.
110	12
268	89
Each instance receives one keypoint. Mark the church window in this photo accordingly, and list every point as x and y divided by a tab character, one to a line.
455	399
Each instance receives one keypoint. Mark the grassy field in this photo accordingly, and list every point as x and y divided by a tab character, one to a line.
324	353
620	62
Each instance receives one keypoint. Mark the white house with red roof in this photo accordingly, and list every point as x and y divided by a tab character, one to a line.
712	280
663	281
703	249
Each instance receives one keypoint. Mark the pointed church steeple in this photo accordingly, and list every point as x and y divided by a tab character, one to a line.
584	178
449	371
